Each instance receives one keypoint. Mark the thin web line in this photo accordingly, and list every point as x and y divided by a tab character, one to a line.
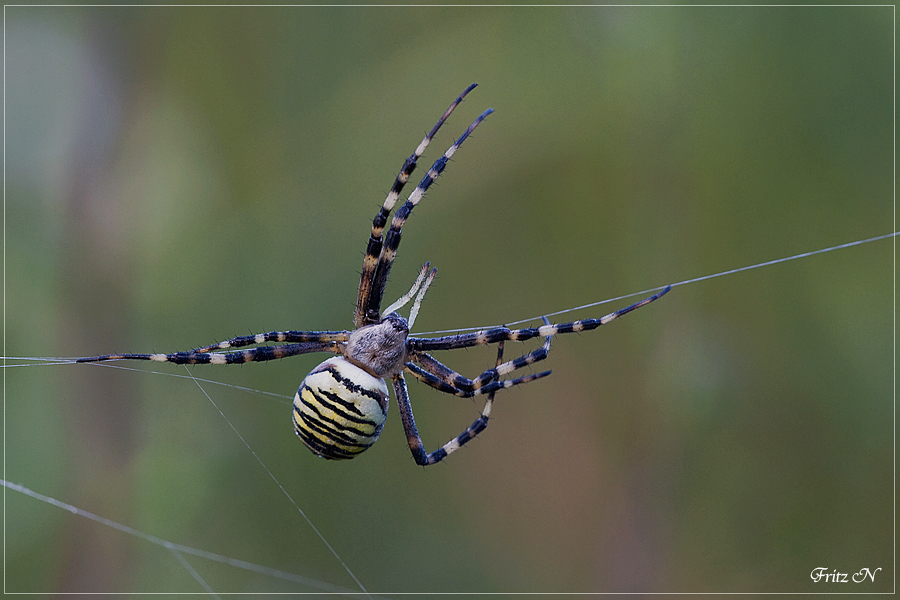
37	361
684	282
278	483
181	548
190	569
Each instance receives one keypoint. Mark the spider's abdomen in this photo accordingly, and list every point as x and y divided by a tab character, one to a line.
340	409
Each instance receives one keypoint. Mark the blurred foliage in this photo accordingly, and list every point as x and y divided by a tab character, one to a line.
176	175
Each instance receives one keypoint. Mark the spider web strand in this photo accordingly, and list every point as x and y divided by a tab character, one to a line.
190	569
180	548
684	282
281	487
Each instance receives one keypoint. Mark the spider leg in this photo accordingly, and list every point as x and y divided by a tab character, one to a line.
438	375
479	425
486	411
277	336
413	439
439	384
491	336
226	358
373	250
392	239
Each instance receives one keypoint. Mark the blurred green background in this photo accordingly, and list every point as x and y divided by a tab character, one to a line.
176	176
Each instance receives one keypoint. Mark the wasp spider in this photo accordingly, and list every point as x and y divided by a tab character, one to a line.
341	405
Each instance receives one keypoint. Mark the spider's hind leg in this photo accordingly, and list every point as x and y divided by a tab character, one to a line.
276	336
412	434
492	336
194	357
439	376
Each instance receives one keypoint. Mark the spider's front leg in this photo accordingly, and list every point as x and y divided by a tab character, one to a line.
392	237
373	250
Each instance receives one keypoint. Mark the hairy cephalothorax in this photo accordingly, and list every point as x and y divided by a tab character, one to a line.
341	406
380	349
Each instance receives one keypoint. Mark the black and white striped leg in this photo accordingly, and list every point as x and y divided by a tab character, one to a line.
442	386
438	375
413	439
373	250
479	425
491	336
392	239
277	336
193	357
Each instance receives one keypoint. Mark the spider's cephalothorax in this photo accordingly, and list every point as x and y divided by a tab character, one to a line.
380	348
341	406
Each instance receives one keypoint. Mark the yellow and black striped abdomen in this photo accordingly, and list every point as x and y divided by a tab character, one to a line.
340	409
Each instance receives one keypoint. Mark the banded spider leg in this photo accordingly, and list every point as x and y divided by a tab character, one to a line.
445	380
380	251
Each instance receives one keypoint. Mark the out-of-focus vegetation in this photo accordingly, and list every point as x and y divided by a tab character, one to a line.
180	175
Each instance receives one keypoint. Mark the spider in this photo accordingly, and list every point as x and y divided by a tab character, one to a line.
341	405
